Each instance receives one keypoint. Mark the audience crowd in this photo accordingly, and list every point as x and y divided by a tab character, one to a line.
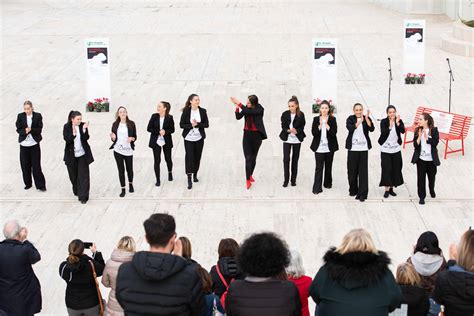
259	277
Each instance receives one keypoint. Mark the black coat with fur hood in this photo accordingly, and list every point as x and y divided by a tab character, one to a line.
355	283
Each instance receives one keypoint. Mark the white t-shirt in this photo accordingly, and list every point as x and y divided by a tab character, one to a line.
323	143
359	142
28	141
161	140
391	145
122	146
425	152
194	135
78	149
292	139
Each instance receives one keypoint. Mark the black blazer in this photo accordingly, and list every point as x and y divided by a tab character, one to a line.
132	132
185	122
69	148
351	126
331	134
298	123
256	114
154	129
433	140
36	126
385	130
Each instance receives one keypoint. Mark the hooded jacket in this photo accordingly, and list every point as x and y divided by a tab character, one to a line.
428	267
109	279
417	300
229	269
355	283
159	284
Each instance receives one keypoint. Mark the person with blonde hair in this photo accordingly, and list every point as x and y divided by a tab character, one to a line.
296	274
414	296
124	252
355	279
454	287
187	248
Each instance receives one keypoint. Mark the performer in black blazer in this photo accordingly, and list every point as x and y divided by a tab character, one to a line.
358	145
254	132
160	127
78	155
193	122
426	155
123	136
324	145
390	151
292	134
29	125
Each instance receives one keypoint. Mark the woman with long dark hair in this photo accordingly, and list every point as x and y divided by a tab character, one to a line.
426	155
193	122
390	151
78	155
29	125
292	134
324	145
254	132
123	136
358	145
160	127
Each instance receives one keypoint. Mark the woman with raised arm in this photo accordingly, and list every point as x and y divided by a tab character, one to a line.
254	132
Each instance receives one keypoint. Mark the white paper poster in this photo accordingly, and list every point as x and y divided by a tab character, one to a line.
414	47
442	121
98	68
324	69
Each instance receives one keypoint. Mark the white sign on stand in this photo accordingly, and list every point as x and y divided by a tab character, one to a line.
324	69
414	47
442	121
98	68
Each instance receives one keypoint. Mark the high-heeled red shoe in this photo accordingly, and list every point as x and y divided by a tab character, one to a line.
248	184
252	179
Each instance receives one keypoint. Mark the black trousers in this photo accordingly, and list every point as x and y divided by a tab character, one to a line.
192	158
122	163
157	157
79	176
423	169
251	143
30	161
323	163
391	169
357	173
294	161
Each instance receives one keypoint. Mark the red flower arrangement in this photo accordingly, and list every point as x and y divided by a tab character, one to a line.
98	105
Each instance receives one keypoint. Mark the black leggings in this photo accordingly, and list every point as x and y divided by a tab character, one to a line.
157	157
30	161
251	143
78	172
192	159
423	169
294	161
358	173
122	163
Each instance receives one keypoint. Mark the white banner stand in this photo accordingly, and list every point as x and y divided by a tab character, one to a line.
98	68
324	69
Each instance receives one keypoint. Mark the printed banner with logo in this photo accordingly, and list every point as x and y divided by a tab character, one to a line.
414	47
98	69
324	69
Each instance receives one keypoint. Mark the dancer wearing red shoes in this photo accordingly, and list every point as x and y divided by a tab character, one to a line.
254	132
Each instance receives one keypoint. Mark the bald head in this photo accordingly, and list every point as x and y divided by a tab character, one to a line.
11	230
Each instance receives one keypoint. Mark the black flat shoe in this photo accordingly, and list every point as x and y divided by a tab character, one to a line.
328	186
131	189
170	176
42	189
422	201
353	194
391	192
122	194
386	194
158	183
190	183
285	184
362	199
316	192
27	187
195	179
83	201
293	184
433	194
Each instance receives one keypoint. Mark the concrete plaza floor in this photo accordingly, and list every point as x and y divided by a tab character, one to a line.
166	50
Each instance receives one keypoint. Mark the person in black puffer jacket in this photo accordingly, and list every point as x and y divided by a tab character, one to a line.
157	282
263	258
454	287
81	291
414	296
227	250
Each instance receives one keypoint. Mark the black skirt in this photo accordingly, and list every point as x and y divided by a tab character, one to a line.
391	169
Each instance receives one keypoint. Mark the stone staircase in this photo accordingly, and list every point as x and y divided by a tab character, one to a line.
460	41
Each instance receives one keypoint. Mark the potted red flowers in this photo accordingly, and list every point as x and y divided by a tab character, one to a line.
317	105
98	105
411	78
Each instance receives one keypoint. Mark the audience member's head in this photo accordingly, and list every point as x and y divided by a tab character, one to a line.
428	244
11	230
295	269
160	231
76	250
187	249
465	251
228	247
407	275
263	255
127	243
357	240
206	279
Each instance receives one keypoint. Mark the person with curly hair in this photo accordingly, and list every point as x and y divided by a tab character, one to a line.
262	258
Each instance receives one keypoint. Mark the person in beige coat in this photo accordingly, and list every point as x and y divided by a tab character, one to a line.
123	253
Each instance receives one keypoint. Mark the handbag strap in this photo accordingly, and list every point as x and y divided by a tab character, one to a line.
97	288
221	276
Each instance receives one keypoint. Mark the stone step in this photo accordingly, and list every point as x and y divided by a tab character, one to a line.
459	47
463	32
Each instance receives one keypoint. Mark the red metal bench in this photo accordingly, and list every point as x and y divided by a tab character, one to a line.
458	130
